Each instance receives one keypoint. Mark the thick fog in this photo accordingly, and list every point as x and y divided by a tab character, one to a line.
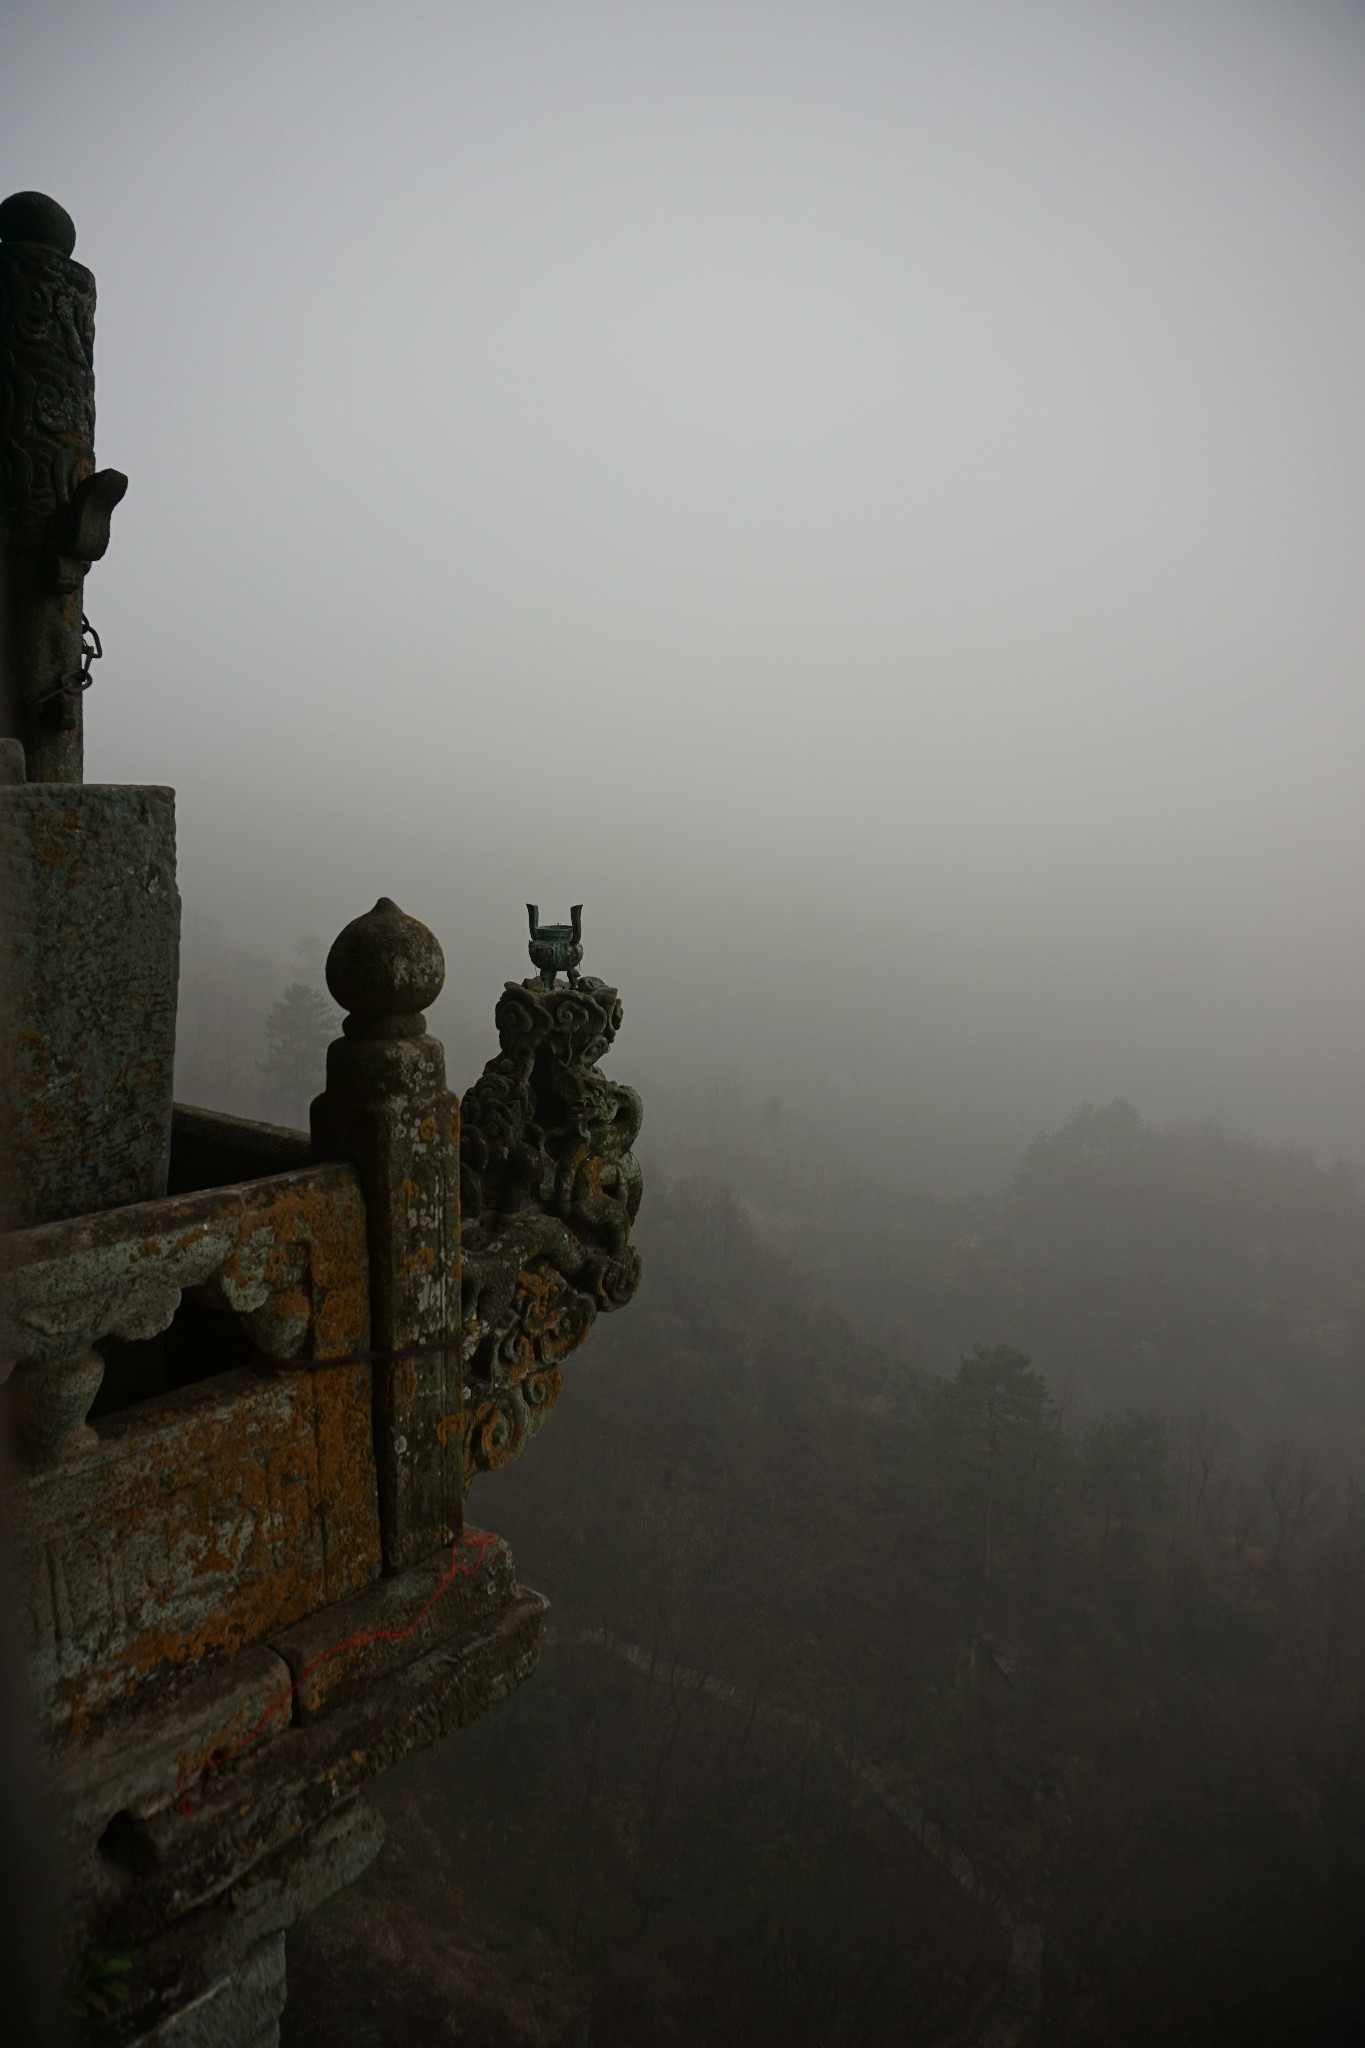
869	499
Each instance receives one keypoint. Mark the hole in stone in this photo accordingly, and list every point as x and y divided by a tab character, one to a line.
200	1343
124	1843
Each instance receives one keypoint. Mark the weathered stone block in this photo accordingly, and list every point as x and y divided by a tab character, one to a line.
198	1523
93	946
396	1620
136	1767
202	1951
264	1801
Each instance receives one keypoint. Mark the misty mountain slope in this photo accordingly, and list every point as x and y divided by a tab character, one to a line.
729	1428
1153	1728
1144	1729
1156	1266
651	1865
605	1863
1136	1264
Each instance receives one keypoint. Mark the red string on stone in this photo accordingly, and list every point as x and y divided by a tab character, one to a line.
482	1539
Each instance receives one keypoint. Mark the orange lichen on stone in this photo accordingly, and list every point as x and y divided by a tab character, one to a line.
542	1389
206	1519
339	1265
292	1302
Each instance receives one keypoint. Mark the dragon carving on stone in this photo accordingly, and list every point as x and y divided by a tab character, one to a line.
549	1188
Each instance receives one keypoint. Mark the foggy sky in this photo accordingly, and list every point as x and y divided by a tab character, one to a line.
869	498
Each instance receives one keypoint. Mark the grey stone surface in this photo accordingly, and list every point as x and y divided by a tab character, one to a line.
236	2007
332	1856
93	946
200	1956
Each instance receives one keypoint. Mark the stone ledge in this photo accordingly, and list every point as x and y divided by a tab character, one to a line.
474	1596
261	1804
205	1951
134	1762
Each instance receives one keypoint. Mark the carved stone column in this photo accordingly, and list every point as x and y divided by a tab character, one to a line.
92	918
56	506
388	1111
51	1403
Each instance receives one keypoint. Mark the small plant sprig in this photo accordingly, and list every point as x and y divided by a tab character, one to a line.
98	1984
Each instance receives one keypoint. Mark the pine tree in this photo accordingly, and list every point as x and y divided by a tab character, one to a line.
992	1430
297	1031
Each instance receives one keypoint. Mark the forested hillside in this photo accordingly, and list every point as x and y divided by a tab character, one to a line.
883	1638
1135	1264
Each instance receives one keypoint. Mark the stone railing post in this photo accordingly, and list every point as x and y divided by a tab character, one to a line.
387	1110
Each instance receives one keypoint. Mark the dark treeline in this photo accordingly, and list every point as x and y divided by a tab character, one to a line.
1024	1529
1136	1265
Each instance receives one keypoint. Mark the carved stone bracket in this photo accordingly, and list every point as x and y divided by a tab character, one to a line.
549	1189
285	1254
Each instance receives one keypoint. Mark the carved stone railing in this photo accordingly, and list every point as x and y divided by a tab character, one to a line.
286	1253
192	1522
147	1548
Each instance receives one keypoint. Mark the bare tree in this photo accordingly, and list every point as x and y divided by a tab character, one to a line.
1245	1507
1199	1456
1296	1491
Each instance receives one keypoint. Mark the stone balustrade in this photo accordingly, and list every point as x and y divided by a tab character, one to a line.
192	1560
248	1374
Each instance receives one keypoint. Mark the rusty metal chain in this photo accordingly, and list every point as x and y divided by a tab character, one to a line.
79	679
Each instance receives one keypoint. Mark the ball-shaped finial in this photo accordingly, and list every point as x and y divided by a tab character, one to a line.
33	217
385	969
